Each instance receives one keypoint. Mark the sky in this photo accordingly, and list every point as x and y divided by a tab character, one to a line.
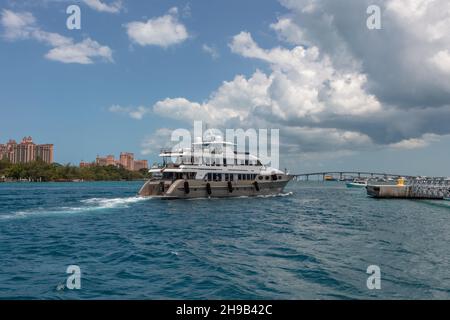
344	96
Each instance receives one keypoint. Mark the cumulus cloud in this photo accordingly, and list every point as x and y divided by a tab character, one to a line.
158	140
133	112
335	86
98	5
415	143
442	61
211	50
302	91
405	61
162	31
23	26
320	102
288	31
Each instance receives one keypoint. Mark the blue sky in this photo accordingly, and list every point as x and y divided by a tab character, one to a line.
66	104
360	124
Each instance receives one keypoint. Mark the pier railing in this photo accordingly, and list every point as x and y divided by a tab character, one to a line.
429	188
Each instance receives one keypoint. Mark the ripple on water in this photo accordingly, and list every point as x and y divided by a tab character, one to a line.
314	241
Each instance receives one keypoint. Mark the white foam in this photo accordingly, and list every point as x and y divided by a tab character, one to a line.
91	204
106	203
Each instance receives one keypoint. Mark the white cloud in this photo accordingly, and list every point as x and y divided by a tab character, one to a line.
303	87
23	26
442	61
233	100
133	112
415	143
211	50
161	31
158	140
288	31
82	52
413	34
17	25
98	5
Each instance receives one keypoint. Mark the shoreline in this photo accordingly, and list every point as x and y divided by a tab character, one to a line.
72	181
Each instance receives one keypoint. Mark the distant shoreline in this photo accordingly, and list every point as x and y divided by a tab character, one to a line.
72	181
39	171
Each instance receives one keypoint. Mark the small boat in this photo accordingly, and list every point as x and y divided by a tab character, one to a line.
357	184
447	198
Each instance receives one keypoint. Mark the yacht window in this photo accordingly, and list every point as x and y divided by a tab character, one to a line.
267	177
226	176
260	178
279	177
246	162
239	177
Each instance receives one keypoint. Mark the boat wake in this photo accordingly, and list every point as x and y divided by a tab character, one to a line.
87	205
244	197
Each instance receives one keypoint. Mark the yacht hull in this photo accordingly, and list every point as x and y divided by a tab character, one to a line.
188	189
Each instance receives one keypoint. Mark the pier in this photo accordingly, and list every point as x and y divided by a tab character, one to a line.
418	188
389	185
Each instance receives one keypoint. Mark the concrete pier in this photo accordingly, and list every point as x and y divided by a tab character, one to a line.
427	188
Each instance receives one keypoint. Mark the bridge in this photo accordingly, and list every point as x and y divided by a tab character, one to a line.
353	174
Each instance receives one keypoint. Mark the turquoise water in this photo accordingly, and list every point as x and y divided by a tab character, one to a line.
313	242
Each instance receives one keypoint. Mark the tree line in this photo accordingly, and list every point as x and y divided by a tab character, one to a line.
41	171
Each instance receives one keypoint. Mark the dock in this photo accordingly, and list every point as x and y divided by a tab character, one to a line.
418	188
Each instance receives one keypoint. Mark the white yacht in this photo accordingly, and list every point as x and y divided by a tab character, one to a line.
213	169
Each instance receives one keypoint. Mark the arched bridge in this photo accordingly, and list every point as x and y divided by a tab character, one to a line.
348	174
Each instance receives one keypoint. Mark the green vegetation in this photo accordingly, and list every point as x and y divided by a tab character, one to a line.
41	171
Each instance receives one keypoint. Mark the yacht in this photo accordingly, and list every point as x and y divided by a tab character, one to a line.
212	168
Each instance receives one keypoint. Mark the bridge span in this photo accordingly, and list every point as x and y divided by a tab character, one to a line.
341	175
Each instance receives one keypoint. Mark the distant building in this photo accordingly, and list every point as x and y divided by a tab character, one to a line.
126	160
140	164
86	164
26	151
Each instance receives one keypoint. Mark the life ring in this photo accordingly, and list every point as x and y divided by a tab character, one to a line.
256	185
230	187
208	188
186	187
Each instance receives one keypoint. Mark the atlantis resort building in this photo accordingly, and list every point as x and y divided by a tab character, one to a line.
26	151
126	160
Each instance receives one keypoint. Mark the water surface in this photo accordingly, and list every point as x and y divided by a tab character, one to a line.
313	242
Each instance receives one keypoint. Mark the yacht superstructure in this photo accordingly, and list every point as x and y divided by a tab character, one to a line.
212	168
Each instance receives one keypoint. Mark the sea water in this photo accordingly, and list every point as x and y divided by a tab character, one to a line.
315	241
